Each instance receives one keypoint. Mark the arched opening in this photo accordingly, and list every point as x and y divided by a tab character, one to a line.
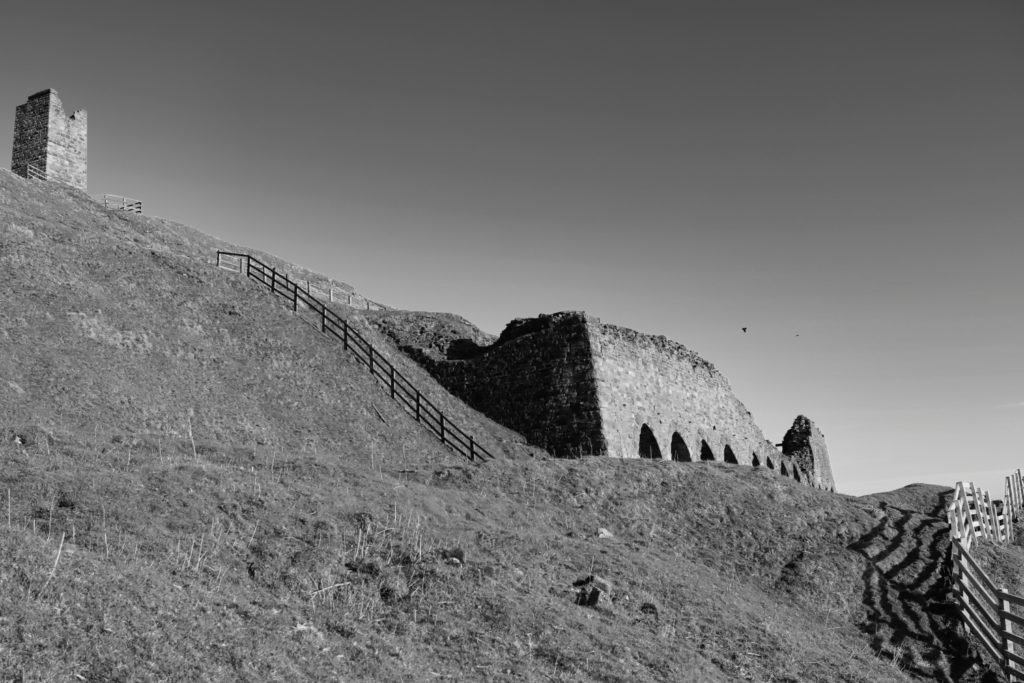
648	444
730	457
796	474
705	451
679	450
768	461
783	470
754	460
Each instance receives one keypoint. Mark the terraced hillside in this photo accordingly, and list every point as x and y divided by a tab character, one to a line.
199	486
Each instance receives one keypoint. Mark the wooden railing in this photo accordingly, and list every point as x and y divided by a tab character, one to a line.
119	203
336	294
986	610
973	515
1013	495
330	323
35	172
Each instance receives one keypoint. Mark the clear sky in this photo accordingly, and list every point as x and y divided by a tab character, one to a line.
844	179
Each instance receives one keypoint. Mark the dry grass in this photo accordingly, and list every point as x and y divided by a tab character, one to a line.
199	488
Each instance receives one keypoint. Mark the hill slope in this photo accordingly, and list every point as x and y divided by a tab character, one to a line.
309	530
121	324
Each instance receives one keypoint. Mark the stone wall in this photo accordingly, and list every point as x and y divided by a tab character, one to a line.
31	134
537	378
47	138
575	386
804	447
686	404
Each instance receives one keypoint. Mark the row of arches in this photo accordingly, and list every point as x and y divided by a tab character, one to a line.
679	451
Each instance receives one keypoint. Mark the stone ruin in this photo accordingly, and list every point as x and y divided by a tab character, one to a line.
49	140
575	386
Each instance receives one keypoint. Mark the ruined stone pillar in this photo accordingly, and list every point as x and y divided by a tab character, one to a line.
46	138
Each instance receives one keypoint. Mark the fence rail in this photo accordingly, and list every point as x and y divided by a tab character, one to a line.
35	172
330	323
119	203
986	609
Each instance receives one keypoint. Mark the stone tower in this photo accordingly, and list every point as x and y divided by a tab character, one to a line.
49	140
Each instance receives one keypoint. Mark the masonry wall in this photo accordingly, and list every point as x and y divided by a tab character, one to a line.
575	386
49	139
685	403
31	134
537	379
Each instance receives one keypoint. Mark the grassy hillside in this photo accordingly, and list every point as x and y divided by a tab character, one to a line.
307	529
121	324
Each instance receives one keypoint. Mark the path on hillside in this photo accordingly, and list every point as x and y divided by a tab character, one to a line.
911	614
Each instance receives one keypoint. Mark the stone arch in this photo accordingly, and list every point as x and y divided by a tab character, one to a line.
783	471
754	460
648	444
729	456
679	450
705	451
768	461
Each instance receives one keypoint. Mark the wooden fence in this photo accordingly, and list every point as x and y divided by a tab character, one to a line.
1013	494
986	610
330	323
35	172
119	203
336	294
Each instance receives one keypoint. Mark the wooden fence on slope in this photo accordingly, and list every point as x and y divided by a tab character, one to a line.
330	323
119	203
1013	494
986	610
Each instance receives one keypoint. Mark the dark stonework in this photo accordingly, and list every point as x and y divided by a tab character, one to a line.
804	446
48	139
537	378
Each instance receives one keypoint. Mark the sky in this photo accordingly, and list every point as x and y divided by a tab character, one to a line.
843	179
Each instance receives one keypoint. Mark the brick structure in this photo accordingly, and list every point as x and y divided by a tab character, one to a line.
49	140
575	386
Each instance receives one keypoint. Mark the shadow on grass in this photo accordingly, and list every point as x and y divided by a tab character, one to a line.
911	618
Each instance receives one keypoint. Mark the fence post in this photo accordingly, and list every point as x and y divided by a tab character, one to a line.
1004	612
978	510
959	586
248	266
323	318
295	297
417	405
344	330
471	455
371	357
392	381
993	518
273	278
442	426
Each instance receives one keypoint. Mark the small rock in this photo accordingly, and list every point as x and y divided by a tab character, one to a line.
604	533
594	592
